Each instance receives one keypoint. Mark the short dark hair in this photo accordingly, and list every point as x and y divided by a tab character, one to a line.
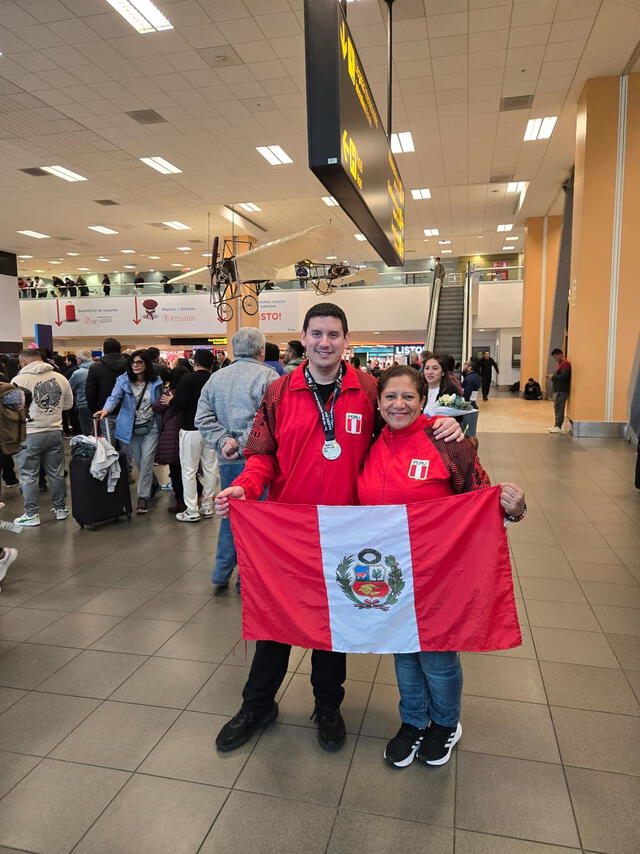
556	351
71	357
326	309
437	259
271	352
448	362
296	348
355	361
203	358
154	353
403	371
111	345
149	373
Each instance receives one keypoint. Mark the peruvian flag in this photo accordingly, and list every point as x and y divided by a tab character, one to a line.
393	578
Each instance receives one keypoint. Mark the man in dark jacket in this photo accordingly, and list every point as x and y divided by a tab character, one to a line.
161	370
486	369
103	374
561	382
194	452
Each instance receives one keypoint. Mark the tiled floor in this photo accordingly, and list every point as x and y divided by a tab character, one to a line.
117	668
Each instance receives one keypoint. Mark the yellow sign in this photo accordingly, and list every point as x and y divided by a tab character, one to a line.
218	342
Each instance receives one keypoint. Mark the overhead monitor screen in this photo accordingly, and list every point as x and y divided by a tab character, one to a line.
348	147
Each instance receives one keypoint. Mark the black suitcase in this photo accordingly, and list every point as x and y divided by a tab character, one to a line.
90	501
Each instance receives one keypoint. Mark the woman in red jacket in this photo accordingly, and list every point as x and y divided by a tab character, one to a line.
430	683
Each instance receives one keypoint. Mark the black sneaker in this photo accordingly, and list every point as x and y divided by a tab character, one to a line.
438	743
331	729
402	748
241	727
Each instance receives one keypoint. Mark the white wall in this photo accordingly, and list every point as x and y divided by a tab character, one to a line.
508	375
499	305
10	309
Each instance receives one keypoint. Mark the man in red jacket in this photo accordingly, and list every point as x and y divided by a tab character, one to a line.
308	442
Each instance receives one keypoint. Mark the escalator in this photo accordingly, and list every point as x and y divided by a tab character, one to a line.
448	321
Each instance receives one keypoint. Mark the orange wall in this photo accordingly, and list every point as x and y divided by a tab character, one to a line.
594	186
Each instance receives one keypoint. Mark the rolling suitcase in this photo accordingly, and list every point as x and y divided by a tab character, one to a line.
90	501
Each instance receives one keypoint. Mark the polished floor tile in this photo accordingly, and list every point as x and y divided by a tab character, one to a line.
606	808
38	722
585	687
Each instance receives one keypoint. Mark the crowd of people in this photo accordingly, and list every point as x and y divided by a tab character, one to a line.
39	288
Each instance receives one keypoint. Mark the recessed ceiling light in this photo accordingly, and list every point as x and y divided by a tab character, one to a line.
102	229
65	174
275	155
447	251
142	15
512	238
54	262
360	237
431	232
479	237
176	265
84	269
184	248
329	201
249	206
444	242
73	254
516	186
103	259
332	257
25	256
508	248
128	251
153	257
33	234
179	226
540	128
402	143
161	165
505	227
38	271
129	266
421	194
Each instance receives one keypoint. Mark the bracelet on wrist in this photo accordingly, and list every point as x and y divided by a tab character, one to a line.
509	517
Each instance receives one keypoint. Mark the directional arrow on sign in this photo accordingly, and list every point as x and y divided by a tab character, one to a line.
136	319
58	322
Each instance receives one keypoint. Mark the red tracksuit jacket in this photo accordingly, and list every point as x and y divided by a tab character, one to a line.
408	466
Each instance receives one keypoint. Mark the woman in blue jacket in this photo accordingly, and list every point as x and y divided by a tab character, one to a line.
137	425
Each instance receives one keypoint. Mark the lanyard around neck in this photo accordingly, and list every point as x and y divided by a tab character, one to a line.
326	418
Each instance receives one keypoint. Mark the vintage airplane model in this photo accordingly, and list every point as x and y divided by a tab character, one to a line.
241	277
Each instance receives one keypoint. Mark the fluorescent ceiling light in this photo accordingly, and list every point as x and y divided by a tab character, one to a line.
275	155
25	256
142	15
505	227
176	265
508	248
128	251
65	174
360	237
329	201
33	234
54	262
421	194
402	143
540	128
249	206
84	269
129	266
512	238
73	254
179	226
516	186
103	259
332	257
447	251
161	165
444	242
102	229
431	232
184	248
154	257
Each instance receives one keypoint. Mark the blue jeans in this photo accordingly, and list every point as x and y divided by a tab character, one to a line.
226	557
430	685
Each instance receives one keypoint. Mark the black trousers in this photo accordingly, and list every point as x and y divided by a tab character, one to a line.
328	672
486	385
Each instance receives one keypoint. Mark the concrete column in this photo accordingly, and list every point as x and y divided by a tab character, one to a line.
10	337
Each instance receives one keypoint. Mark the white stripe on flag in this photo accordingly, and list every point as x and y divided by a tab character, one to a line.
353	531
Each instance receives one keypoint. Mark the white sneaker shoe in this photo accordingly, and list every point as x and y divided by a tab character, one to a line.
555	430
61	513
187	517
206	509
27	521
6	560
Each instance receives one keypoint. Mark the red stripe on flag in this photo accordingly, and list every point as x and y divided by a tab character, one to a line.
462	579
284	594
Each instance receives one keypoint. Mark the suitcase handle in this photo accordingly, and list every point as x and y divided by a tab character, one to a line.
95	428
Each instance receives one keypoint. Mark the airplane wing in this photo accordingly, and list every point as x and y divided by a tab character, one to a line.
201	276
367	275
264	262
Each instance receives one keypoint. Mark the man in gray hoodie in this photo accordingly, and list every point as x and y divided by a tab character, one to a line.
227	406
50	395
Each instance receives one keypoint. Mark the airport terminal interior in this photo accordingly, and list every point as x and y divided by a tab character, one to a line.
460	178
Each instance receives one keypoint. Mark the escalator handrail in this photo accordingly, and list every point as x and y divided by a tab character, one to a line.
434	302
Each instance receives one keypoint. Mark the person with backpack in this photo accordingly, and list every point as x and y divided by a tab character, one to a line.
102	376
43	446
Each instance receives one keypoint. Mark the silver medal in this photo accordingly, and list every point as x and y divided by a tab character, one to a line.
331	450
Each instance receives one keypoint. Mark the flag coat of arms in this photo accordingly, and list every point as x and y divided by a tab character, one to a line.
393	578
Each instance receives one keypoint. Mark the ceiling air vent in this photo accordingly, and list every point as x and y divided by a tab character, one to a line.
106	202
501	177
146	117
516	102
63	238
35	171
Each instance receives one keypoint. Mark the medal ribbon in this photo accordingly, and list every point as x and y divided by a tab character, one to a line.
326	418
